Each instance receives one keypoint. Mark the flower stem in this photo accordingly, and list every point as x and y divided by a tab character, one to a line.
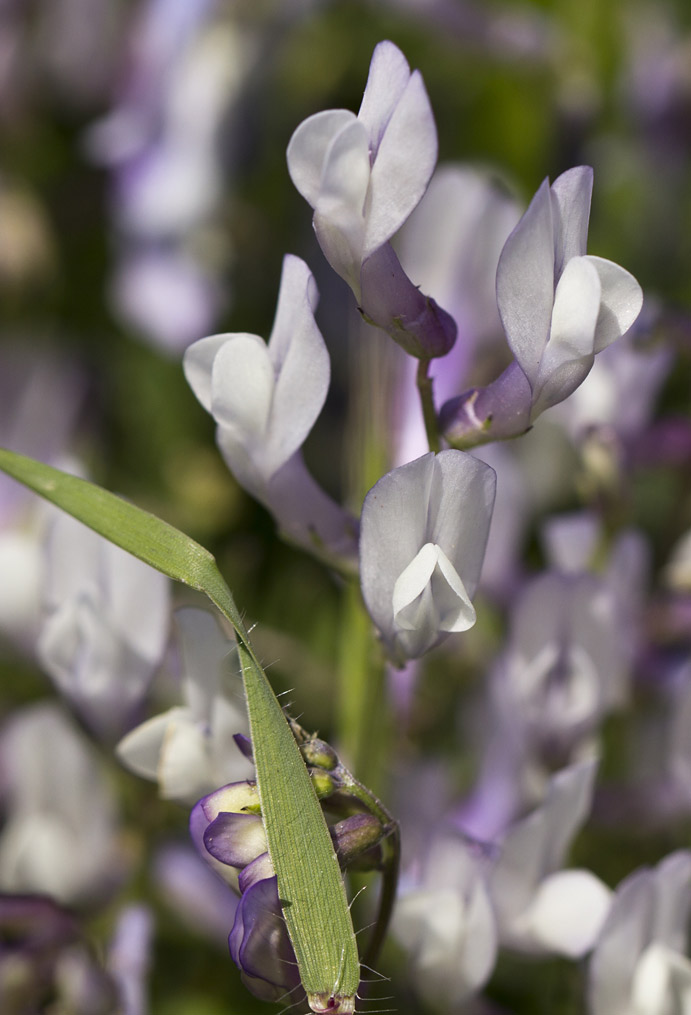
424	387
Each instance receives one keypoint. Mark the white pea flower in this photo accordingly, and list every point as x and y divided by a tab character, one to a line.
189	749
559	307
265	398
60	830
640	965
423	534
105	627
364	174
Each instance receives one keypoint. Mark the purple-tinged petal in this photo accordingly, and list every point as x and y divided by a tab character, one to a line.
307	515
308	146
571	192
260	946
259	869
403	165
244	745
199	822
525	283
235	839
389	300
235	798
389	75
622	301
480	415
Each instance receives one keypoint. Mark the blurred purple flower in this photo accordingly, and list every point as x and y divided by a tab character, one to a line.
46	963
640	963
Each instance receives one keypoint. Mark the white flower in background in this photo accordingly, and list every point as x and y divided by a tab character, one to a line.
540	907
40	398
189	749
445	922
640	964
105	627
265	398
364	174
59	835
462	898
423	534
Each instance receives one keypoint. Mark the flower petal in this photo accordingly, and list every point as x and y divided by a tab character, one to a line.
622	300
301	364
525	283
569	353
571	192
236	839
568	912
388	78
243	387
339	216
308	146
198	362
403	165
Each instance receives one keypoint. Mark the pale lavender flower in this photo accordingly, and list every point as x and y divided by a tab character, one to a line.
161	142
105	626
188	886
363	175
540	907
129	957
265	399
424	530
463	897
559	307
189	749
640	965
60	835
445	921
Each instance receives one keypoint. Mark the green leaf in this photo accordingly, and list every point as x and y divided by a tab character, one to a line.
310	884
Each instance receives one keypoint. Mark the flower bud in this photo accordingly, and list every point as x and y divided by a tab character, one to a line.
355	835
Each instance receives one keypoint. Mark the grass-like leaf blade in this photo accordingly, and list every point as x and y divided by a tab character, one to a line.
309	879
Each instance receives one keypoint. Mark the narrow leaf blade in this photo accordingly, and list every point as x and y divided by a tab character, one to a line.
309	879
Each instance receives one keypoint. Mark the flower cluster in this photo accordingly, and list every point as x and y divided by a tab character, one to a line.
227	829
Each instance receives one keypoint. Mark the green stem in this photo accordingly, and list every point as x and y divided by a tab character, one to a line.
390	863
429	415
363	721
